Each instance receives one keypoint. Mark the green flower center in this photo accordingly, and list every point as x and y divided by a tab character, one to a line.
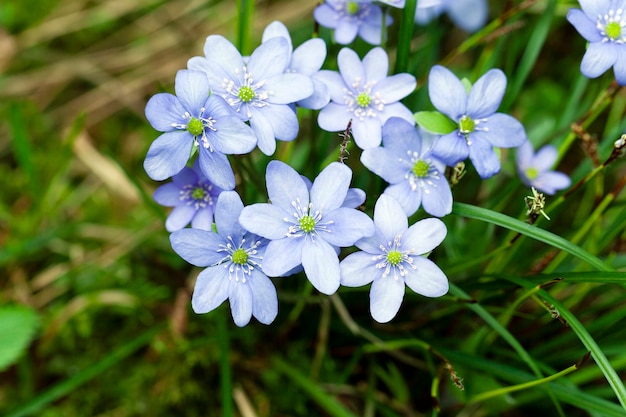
352	7
466	125
240	257
532	173
394	257
363	99
613	30
246	94
195	126
307	224
197	193
420	169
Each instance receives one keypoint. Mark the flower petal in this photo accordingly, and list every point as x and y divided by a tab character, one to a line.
345	32
265	220
240	297
585	26
264	298
163	110
524	156
269	59
264	132
552	181
358	269
319	98
408	197
203	218
192	89
385	164
330	187
285	186
220	50
398	110
179	217
451	148
334	117
446	92
389	217
354	198
469	15
386	297
335	84
168	194
216	168
437	196
309	57
282	256
198	247
289	88
545	158
427	279
211	289
348	226
594	8
321	266
325	16
395	87
483	157
168	154
598	58
620	66
350	67
276	29
376	65
367	132
502	131
283	120
424	236
227	211
486	94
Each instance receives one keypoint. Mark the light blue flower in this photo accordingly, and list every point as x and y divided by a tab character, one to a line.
469	15
352	18
480	128
363	93
234	265
393	257
258	90
405	161
307	59
193	197
395	3
305	227
603	24
535	169
191	118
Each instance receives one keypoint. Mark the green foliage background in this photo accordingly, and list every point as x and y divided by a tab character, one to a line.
533	324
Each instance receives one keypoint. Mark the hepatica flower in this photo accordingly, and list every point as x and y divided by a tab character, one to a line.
603	24
394	257
415	175
193	197
305	227
352	18
258	90
192	117
479	127
307	59
469	15
535	169
233	259
363	93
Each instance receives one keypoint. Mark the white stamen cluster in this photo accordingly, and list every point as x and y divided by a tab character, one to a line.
236	271
233	88
186	194
399	269
207	122
376	103
615	18
304	212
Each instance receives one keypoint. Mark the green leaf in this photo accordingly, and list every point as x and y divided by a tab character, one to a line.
435	122
17	328
467	84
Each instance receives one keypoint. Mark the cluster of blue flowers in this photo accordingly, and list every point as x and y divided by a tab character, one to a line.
226	103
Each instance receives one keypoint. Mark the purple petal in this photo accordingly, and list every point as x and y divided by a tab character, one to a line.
598	58
163	110
283	120
233	136
276	29
319	98
264	298
358	269
285	186
220	50
389	217
427	280
330	187
398	110
240	298
502	131
524	156
321	266
594	8
451	148
213	71
216	168
585	26
409	198
211	289
424	236
395	87
282	255
545	158
192	89
227	211
334	117
437	196
367	132
354	198
179	217
469	15
373	33
620	65
483	157
198	247
264	132
168	154
446	92
325	16
265	220
386	297
188	176
350	67
168	194
345	32
309	57
203	219
385	164
376	65
486	94
550	182
348	226
289	88
269	59
400	136
335	84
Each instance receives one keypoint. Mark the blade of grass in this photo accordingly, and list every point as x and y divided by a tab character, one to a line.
226	382
405	35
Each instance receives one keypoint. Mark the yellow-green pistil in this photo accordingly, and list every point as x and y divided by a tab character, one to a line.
613	30
532	173
195	126
394	257
246	94
420	169
466	125
198	193
352	7
363	99
239	257
307	224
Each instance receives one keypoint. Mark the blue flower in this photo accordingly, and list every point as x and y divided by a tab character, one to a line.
193	198
233	259
535	170
392	257
395	3
416	177
305	227
603	24
258	90
469	15
307	59
363	93
480	128
349	18
192	118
